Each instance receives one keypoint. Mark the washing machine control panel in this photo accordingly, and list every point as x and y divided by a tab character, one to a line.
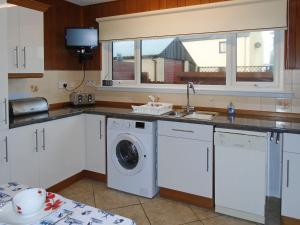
134	126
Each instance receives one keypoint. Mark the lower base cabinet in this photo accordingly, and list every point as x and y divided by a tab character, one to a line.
290	205
63	150
95	127
185	156
24	155
291	186
4	158
44	154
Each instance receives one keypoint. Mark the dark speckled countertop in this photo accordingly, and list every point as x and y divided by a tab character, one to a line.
219	121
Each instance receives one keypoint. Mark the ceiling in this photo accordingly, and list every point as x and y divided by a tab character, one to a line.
88	2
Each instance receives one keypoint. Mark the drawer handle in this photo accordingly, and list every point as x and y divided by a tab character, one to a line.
184	131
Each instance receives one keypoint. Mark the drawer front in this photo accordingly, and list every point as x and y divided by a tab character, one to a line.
186	130
291	143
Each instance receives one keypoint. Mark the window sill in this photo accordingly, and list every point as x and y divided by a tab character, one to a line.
254	92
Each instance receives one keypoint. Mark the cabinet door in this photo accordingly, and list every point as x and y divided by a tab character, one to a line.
4	158
51	157
185	165
13	41
3	70
24	151
291	185
62	152
31	40
95	143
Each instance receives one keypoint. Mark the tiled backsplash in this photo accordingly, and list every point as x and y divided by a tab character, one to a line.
48	87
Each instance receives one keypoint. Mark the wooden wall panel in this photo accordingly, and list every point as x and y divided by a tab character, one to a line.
120	7
61	14
292	49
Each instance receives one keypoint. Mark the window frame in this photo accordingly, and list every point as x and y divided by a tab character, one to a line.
231	65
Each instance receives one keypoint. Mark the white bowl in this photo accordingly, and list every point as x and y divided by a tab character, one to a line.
29	202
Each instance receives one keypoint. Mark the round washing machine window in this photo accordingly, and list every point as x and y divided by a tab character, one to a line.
128	155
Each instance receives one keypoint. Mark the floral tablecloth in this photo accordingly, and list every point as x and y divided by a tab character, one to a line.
70	213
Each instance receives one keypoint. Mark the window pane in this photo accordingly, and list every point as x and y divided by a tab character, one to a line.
180	60
123	60
255	56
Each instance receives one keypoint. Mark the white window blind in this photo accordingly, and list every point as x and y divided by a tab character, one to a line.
236	15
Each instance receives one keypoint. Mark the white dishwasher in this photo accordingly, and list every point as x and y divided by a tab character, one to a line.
241	173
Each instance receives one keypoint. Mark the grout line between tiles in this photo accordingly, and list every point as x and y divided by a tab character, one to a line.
145	212
121	207
94	195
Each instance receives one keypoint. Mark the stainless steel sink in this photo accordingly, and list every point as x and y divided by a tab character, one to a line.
201	115
177	114
198	115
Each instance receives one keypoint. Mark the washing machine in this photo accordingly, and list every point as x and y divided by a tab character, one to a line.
132	156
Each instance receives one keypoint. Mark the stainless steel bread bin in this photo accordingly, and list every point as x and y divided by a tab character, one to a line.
27	106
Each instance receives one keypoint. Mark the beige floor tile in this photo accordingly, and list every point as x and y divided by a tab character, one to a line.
81	191
106	198
134	212
203	213
162	211
226	220
194	223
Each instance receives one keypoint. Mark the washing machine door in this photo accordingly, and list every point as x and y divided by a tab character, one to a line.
128	154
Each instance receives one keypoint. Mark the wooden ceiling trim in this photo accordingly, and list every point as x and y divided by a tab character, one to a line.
31	4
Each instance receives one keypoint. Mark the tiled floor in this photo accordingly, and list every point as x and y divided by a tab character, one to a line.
157	211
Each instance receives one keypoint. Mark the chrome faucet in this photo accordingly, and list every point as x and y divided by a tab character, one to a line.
189	108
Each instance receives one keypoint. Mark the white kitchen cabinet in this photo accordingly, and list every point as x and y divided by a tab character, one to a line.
26	40
24	155
95	127
3	69
291	177
185	161
62	149
47	153
4	158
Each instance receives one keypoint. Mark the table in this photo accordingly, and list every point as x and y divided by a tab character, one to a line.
71	212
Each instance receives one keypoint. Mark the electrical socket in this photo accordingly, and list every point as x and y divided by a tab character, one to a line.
90	83
61	84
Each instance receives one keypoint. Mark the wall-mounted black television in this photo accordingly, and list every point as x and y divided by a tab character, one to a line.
81	38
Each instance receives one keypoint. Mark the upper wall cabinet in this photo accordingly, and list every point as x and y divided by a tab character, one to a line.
293	36
25	40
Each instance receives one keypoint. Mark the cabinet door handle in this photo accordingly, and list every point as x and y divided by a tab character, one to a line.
24	54
16	50
184	131
5	111
44	139
100	130
6	149
36	141
288	173
207	159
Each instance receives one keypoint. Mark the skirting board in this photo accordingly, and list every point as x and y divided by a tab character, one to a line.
73	179
188	198
289	221
240	214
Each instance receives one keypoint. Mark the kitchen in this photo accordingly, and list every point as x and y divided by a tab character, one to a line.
241	76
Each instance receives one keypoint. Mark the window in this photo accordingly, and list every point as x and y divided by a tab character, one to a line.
243	59
180	60
255	56
123	66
